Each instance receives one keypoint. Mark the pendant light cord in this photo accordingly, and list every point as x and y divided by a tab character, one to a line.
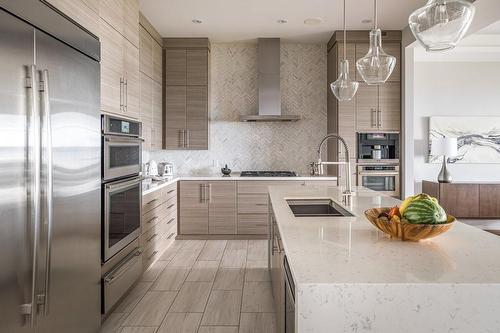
375	15
345	35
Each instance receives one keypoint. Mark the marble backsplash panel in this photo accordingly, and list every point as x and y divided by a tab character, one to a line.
259	146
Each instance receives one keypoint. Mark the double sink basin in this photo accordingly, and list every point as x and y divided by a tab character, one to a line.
317	208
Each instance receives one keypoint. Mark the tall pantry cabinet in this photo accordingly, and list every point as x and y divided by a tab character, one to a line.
374	108
187	91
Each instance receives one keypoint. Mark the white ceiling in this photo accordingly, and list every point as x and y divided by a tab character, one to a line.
243	20
493	29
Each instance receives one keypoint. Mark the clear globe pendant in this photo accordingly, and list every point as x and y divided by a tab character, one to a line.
376	66
344	89
441	24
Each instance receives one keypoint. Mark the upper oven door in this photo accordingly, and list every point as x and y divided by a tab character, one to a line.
122	156
122	214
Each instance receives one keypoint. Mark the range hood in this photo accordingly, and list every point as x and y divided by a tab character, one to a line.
269	84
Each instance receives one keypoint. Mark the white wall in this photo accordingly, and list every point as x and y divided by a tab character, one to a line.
452	89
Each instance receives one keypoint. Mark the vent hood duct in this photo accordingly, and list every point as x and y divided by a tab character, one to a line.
269	84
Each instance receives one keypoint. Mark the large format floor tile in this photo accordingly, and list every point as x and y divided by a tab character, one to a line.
113	323
257	250
257	297
257	271
234	259
151	309
171	278
180	323
257	323
234	245
184	258
203	271
133	297
138	330
213	250
223	308
229	279
218	329
154	271
192	297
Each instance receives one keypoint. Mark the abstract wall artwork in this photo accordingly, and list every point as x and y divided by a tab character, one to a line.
478	138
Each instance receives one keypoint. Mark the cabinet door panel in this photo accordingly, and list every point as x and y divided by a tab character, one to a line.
131	21
394	49
366	107
175	67
112	55
193	210
197	67
157	62
490	201
146	53
460	200
112	12
390	106
146	110
175	116
132	87
79	11
197	117
157	137
222	208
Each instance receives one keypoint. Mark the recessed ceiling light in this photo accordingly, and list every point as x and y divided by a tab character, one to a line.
366	21
313	20
282	21
196	21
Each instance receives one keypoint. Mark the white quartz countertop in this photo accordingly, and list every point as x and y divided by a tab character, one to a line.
339	251
151	186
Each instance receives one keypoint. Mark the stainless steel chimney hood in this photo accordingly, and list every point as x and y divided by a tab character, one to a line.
269	84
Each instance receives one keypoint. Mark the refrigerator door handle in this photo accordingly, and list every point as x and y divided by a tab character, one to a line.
46	123
28	309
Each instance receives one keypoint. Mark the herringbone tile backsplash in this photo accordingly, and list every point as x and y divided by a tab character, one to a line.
259	146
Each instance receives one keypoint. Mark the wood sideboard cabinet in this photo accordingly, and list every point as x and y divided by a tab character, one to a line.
466	200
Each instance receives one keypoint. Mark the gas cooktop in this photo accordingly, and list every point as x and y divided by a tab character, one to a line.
268	174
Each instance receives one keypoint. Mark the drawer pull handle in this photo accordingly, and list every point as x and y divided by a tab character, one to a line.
151	221
149	203
172	205
152	254
152	237
171	220
170	236
170	191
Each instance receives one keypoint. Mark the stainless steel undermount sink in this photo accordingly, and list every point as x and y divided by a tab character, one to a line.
317	208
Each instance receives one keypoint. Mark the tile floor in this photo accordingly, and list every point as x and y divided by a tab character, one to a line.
197	286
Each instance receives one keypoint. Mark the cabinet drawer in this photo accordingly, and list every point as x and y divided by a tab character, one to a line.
252	204
170	191
152	200
169	223
158	214
261	187
151	236
151	254
252	224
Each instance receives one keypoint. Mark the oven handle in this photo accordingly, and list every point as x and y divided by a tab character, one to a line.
367	173
123	268
123	139
124	183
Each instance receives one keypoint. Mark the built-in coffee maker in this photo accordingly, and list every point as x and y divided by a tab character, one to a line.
378	146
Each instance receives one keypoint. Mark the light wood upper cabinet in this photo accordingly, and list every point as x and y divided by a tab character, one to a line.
222	208
157	62
112	54
175	117
123	16
120	81
146	110
175	67
366	108
132	80
197	117
193	208
389	108
196	67
146	52
157	120
83	12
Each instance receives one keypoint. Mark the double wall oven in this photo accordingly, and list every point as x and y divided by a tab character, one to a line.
121	183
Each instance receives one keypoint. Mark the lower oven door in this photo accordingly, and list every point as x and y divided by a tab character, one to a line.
385	182
122	215
122	156
117	282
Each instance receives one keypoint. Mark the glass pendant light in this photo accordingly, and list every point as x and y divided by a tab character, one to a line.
376	66
344	88
441	24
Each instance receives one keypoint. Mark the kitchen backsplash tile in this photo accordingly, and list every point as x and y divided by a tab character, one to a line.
259	146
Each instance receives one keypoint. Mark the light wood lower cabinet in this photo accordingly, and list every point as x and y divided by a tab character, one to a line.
277	275
207	208
159	223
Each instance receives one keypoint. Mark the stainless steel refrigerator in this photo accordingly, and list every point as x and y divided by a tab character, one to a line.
49	172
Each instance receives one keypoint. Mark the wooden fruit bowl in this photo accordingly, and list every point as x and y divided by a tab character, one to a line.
407	231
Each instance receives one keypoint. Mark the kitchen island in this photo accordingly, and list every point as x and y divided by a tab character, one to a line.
349	277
